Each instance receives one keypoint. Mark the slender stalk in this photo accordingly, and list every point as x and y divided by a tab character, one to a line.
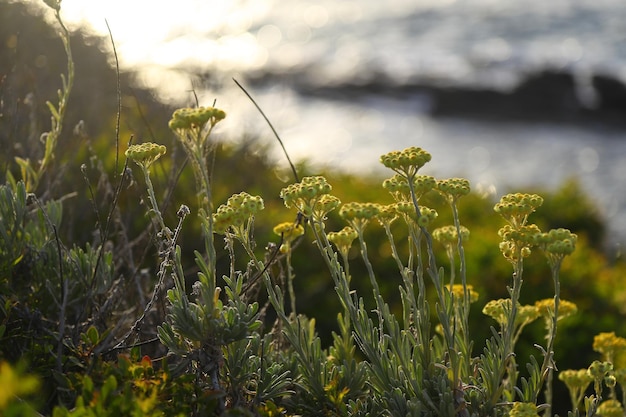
152	198
548	365
119	101
466	293
404	271
376	289
290	278
508	336
433	272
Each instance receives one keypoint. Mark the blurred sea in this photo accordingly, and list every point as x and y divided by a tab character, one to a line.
280	47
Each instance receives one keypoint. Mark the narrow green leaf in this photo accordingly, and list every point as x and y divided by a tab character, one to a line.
53	110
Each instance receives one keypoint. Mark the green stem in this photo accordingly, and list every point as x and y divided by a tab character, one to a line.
548	365
508	338
466	294
154	206
290	278
376	289
198	156
423	313
404	271
444	314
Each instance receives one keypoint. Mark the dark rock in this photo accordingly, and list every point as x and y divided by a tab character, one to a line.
544	96
611	94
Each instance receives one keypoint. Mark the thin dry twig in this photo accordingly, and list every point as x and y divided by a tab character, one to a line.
119	101
293	168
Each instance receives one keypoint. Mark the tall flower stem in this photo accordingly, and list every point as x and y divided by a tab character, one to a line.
548	365
433	271
154	205
193	126
463	273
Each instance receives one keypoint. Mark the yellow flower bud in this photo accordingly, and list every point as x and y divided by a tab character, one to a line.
459	292
343	239
237	210
289	232
546	308
453	188
448	235
515	208
145	154
406	162
576	379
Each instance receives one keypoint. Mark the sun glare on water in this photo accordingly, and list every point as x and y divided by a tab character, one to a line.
165	41
166	35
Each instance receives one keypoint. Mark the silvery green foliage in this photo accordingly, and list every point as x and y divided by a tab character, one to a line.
206	320
252	365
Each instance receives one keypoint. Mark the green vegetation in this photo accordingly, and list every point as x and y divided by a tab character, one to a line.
327	295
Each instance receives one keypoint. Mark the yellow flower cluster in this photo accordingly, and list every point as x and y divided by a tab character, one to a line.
576	379
304	195
343	239
237	210
195	118
407	209
406	162
145	154
453	188
577	382
325	205
523	410
609	345
517	241
387	214
610	408
545	307
558	241
459	292
359	214
518	238
398	186
356	210
500	309
289	231
192	127
515	208
448	235
523	236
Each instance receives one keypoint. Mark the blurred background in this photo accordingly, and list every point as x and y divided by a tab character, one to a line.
506	93
515	96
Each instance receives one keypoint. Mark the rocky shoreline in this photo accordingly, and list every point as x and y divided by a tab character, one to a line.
547	96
